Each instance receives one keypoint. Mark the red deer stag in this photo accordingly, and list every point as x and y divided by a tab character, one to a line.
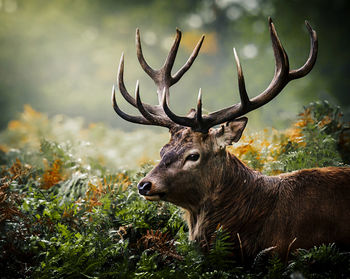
216	188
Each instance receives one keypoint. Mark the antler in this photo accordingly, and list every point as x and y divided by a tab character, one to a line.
153	114
282	76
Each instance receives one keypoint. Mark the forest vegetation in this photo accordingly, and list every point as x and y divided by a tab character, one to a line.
66	211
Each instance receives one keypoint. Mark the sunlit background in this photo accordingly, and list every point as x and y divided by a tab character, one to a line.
61	56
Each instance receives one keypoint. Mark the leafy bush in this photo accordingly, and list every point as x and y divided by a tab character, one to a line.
325	261
314	140
65	214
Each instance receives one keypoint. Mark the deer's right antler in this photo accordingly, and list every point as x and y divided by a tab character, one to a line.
153	114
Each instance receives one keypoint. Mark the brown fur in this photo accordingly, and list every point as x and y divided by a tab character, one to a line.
311	205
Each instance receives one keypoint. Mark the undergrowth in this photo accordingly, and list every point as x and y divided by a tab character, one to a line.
66	214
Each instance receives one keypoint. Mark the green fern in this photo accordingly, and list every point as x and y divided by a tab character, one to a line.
57	233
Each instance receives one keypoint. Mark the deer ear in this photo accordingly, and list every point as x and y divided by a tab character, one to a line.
230	132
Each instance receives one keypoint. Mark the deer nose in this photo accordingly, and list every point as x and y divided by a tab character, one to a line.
144	187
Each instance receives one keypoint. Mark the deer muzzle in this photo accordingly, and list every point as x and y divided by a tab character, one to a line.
145	189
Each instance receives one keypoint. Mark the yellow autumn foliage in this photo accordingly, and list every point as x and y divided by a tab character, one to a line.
110	147
52	174
101	187
30	122
262	148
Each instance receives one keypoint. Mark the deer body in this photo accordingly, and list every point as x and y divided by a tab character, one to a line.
311	205
215	188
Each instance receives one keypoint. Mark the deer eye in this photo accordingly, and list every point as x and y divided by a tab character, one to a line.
192	157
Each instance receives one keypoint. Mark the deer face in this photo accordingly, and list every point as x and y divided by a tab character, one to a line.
190	164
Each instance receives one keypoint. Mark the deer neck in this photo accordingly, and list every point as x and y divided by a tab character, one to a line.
236	201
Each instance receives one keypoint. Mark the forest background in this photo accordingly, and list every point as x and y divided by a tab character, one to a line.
61	56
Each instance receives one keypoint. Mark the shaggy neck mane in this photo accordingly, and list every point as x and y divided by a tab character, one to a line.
240	199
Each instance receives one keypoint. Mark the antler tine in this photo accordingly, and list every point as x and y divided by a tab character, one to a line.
127	117
169	61
197	122
241	84
281	57
124	91
181	120
156	120
151	72
189	62
163	77
310	62
121	85
139	104
199	106
281	76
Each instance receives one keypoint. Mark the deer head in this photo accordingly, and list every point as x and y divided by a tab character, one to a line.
194	161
